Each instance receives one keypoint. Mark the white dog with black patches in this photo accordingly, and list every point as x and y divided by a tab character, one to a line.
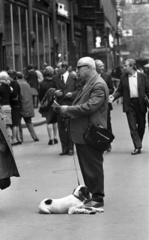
71	204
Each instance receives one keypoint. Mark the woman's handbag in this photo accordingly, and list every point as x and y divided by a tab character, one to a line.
98	137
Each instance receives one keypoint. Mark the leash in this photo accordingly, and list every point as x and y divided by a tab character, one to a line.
67	127
76	170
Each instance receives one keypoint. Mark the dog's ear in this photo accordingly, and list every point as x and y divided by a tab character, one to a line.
84	193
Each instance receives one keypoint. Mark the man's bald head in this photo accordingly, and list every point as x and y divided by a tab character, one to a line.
86	61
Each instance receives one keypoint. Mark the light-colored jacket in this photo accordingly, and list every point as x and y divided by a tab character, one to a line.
89	106
27	108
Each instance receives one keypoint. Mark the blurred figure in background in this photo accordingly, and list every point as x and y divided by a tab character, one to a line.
39	75
15	108
107	78
32	80
50	115
26	106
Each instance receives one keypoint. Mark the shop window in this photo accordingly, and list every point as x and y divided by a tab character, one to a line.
24	37
40	39
47	40
8	36
62	42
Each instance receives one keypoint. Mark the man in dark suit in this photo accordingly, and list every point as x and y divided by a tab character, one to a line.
66	90
133	87
89	106
107	77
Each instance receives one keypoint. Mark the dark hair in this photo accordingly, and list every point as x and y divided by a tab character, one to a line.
19	75
30	67
64	64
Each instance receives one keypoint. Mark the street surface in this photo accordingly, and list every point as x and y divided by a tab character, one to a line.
46	174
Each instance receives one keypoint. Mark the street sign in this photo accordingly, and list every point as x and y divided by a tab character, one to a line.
127	33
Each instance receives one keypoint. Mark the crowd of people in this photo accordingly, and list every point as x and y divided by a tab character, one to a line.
83	97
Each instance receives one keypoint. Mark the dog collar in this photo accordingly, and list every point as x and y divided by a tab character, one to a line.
81	199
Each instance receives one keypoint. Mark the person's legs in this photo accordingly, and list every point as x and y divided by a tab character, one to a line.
63	134
30	127
132	122
50	133
91	164
54	125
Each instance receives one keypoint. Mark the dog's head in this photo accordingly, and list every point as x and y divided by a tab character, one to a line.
82	193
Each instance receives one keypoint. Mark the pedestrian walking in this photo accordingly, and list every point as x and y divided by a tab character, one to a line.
133	87
50	115
15	108
26	106
66	89
32	80
107	78
89	107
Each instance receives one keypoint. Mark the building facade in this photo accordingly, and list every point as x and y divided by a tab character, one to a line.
39	31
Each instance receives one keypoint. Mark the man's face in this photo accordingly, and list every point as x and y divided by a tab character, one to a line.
82	72
127	67
100	67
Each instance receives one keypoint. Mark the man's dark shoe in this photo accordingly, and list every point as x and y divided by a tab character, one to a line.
50	142
136	151
70	152
36	139
55	141
63	153
95	204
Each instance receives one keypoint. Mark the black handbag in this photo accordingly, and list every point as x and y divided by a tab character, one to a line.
98	137
146	99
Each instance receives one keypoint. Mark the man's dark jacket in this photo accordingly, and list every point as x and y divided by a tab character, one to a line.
124	91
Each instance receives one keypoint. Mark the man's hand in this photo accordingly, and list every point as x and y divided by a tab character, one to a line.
111	98
58	93
63	110
69	94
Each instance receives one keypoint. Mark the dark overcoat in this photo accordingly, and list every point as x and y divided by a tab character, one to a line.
89	107
8	166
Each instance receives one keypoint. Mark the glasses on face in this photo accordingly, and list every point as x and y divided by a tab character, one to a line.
79	67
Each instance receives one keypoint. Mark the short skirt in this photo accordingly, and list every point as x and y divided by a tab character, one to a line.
6	113
34	92
15	113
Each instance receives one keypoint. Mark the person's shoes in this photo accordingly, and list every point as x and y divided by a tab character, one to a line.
36	139
50	142
95	204
20	142
70	152
109	148
14	143
55	141
136	151
63	153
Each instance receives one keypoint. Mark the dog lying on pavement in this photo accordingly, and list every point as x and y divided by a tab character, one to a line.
72	204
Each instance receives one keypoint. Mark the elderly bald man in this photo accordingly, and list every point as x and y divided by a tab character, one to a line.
90	105
107	78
